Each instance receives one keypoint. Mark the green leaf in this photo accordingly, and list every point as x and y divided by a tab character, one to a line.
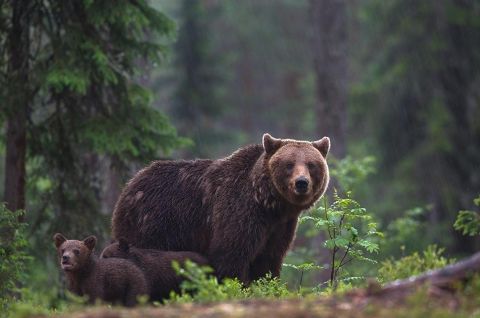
369	246
468	222
330	243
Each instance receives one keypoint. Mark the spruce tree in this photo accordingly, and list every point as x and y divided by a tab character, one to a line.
72	96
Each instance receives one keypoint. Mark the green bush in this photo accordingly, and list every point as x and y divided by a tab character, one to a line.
469	221
13	256
201	286
414	264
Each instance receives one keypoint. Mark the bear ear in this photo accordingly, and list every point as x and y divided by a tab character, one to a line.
271	144
123	244
323	145
59	239
90	242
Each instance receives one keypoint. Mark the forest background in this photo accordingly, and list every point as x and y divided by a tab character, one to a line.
92	91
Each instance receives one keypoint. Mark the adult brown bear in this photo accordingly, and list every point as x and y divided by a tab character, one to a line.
240	212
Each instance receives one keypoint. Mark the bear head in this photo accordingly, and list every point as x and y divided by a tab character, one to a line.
119	249
298	169
73	254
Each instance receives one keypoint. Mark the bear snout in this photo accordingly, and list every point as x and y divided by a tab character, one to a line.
66	263
301	185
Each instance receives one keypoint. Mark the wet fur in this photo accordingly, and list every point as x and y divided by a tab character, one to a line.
234	210
157	266
111	280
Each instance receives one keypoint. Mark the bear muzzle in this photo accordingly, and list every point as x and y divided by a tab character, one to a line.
66	264
301	185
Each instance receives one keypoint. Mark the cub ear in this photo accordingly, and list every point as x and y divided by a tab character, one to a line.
59	239
323	145
90	242
271	144
123	244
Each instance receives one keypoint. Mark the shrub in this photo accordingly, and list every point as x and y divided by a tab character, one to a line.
13	255
469	221
201	286
414	264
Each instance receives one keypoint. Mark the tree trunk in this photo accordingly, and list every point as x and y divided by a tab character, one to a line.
329	22
329	26
17	106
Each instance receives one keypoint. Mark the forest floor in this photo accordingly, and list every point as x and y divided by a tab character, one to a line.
422	303
451	291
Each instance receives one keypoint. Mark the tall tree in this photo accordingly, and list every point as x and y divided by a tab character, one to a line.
329	18
18	99
73	96
198	103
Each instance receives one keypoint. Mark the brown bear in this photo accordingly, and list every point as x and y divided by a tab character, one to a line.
156	264
111	280
240	212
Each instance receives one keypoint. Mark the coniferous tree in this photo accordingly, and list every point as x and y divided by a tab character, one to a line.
72	96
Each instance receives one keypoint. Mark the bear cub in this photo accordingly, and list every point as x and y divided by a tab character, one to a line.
110	280
156	264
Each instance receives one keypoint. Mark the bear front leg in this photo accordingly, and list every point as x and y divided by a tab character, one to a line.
95	294
137	286
232	257
270	259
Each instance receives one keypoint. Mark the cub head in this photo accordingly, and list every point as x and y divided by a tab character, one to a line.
118	249
73	254
298	169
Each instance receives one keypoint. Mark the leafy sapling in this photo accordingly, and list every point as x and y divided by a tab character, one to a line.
350	233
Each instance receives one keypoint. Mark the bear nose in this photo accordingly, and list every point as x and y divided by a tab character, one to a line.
65	258
301	185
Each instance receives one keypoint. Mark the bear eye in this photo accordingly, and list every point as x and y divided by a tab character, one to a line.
311	165
289	166
63	250
76	251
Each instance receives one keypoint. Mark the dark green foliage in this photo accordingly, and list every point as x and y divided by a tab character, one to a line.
13	256
88	112
469	221
414	264
202	286
418	98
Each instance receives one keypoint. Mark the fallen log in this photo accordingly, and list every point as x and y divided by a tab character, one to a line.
440	284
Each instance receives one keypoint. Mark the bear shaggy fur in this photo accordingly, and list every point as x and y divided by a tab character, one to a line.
241	211
111	280
157	266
